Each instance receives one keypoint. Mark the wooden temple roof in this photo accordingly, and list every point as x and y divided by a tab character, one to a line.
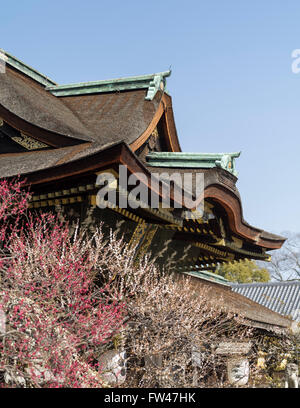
60	137
79	129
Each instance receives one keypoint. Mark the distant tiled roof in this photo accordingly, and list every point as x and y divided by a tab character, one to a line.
281	297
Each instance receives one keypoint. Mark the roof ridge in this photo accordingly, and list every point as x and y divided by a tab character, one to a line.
226	161
152	82
26	69
267	283
210	276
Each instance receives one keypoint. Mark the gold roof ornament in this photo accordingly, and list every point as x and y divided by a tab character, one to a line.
28	142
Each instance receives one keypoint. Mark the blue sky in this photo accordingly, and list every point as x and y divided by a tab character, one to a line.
232	84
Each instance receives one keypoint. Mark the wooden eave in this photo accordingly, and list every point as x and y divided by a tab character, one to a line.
232	205
113	156
120	153
52	139
226	194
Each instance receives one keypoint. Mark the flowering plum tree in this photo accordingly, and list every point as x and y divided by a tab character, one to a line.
68	296
57	319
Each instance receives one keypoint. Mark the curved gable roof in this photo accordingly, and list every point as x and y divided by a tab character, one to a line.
27	99
77	116
84	120
116	116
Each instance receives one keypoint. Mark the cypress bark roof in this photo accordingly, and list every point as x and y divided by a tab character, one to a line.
81	129
101	118
93	121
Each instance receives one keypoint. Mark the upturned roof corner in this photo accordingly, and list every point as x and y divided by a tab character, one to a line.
158	82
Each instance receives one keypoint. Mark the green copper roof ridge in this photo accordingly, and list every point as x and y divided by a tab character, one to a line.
210	276
27	69
187	155
226	161
152	82
113	80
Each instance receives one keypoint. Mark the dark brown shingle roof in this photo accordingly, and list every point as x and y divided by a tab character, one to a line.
29	100
112	117
100	119
22	163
